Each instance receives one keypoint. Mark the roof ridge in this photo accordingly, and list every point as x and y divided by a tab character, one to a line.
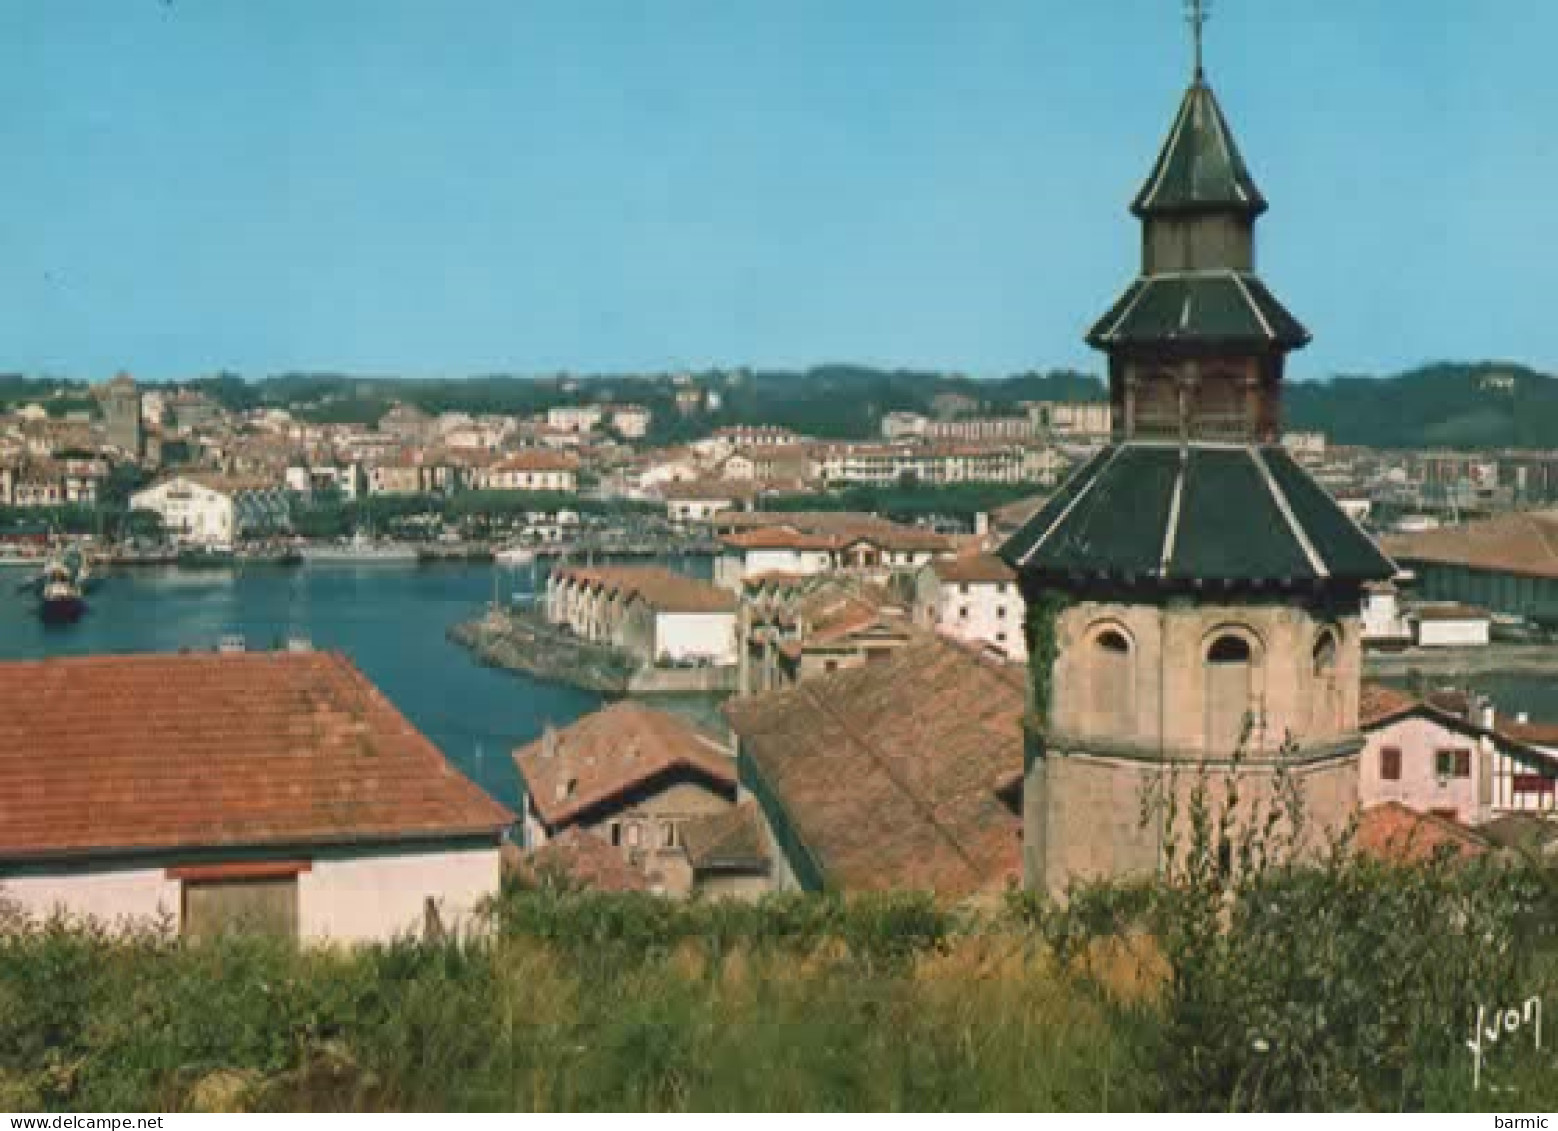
1278	496
926	811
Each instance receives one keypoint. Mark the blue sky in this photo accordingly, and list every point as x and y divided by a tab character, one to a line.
452	186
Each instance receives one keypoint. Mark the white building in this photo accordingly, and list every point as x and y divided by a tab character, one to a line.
576	418
1381	621
278	793
534	469
653	614
1450	626
631	421
974	599
214	510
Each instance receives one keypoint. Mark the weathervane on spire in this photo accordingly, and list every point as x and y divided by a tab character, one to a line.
1197	12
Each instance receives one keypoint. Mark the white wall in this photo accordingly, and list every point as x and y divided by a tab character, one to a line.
189	511
1452	633
361	897
346	896
110	895
693	635
984	623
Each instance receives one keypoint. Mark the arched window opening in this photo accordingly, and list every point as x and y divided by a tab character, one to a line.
1230	694
1325	700
1112	685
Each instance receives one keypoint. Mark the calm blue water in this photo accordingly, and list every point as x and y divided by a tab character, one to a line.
389	619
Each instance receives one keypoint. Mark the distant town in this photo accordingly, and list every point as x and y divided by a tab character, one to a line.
1182	736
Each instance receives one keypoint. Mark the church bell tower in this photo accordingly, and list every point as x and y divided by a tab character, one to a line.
1193	594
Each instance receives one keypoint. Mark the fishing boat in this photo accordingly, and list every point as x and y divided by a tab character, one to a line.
516	555
61	597
361	550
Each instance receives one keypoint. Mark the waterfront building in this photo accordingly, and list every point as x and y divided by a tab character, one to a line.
1199	593
658	617
899	775
272	792
972	598
630	778
41	481
1507	564
414	471
533	469
207	509
307	480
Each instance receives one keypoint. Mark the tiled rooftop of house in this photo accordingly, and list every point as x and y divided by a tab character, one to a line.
1525	544
605	754
1378	703
116	753
574	858
728	841
840	527
975	569
537	459
660	588
891	774
1393	832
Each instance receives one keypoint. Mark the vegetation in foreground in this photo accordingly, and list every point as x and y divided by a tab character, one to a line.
1352	986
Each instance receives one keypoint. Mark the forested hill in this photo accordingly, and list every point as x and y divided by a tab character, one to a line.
1481	405
1488	405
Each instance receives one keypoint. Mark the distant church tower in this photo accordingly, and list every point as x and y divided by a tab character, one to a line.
1195	588
121	402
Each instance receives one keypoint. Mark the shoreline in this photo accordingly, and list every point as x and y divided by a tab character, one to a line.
523	642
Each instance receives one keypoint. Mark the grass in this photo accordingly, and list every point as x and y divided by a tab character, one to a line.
590	1002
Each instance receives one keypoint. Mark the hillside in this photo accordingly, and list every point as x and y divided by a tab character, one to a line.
1455	405
1487	405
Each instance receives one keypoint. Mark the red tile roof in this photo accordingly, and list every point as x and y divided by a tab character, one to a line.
576	858
537	459
1524	544
777	538
978	569
891	774
1391	831
612	751
107	753
1378	703
660	588
728	841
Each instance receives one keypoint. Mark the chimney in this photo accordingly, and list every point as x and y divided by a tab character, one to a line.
1486	714
549	742
1522	718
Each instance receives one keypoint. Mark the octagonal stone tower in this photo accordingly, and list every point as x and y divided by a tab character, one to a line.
1192	592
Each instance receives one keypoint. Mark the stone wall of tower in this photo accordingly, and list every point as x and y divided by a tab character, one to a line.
1093	818
1158	697
1138	708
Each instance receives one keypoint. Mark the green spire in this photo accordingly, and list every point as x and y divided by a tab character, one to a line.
1200	168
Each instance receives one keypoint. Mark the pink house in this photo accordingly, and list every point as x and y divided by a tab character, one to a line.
1449	758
